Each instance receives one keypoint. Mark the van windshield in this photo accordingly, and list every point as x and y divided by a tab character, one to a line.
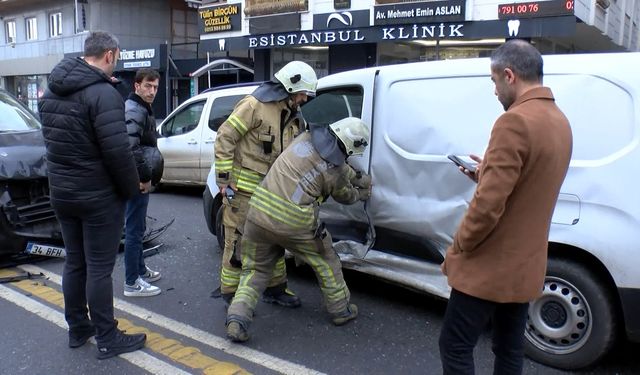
332	105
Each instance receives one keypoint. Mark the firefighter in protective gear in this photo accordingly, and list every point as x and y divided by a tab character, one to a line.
283	214
261	126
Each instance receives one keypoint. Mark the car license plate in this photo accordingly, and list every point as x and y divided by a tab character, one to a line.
46	250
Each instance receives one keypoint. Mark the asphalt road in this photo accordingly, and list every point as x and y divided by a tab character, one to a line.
396	332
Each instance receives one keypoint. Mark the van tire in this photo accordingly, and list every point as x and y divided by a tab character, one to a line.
219	227
573	324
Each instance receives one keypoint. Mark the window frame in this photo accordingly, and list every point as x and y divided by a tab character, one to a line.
55	24
168	128
7	33
31	31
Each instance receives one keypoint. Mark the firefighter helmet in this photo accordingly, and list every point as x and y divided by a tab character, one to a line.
297	77
352	133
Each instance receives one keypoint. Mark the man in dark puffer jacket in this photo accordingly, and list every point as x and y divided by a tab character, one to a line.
91	175
141	126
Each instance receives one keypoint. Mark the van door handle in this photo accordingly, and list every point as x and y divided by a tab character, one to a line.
192	141
209	141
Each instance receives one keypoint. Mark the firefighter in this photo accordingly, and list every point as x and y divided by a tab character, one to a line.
261	126
283	213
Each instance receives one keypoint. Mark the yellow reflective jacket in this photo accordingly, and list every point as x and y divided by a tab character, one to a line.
251	139
289	197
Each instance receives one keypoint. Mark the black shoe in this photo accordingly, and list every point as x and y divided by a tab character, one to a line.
79	337
227	297
121	343
281	295
344	317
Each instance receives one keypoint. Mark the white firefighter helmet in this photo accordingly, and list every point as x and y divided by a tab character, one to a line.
353	133
296	77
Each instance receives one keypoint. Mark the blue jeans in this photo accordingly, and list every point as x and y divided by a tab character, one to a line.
466	318
135	225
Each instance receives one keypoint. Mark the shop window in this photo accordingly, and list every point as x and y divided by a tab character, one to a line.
55	24
10	31
333	105
222	108
32	28
316	57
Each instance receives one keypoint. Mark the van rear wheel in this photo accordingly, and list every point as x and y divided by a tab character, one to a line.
572	325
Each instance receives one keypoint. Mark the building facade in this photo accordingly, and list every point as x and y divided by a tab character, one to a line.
337	35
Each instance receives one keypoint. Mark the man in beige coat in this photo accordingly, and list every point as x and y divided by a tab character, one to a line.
498	258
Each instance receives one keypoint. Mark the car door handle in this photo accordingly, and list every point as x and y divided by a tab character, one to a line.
209	141
192	142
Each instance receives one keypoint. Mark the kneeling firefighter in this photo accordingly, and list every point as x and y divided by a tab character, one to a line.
261	126
283	213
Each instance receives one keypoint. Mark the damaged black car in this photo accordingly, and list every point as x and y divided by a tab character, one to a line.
27	221
26	214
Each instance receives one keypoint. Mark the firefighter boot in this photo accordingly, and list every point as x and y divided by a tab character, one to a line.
281	295
350	313
237	329
227	297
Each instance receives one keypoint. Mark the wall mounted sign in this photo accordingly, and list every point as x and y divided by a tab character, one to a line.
219	18
341	20
138	58
266	7
536	9
419	12
521	28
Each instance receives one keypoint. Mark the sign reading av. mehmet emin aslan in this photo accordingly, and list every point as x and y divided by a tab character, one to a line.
220	18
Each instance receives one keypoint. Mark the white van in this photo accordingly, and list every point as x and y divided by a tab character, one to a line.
421	112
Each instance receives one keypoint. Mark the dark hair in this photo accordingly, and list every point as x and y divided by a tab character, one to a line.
146	73
519	56
98	43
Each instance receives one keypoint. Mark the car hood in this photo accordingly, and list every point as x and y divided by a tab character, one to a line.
22	155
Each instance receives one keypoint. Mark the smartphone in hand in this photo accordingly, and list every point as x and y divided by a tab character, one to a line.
461	163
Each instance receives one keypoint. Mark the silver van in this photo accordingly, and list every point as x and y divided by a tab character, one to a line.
421	112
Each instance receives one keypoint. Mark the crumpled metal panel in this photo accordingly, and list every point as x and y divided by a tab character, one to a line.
22	155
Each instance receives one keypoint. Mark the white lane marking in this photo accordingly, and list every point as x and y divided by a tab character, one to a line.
138	358
251	355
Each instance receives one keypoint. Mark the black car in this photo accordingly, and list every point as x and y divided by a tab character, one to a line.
25	211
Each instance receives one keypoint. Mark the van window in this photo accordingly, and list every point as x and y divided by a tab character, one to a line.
332	105
439	116
601	117
184	121
222	108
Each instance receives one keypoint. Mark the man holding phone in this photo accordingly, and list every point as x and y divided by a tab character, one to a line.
497	262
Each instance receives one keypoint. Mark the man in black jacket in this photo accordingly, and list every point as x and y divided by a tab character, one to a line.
91	175
141	127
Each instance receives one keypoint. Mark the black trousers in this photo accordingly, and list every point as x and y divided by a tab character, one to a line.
91	233
466	318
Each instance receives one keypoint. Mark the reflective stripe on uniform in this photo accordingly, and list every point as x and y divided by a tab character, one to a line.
282	210
247	180
230	277
224	165
238	124
245	292
334	291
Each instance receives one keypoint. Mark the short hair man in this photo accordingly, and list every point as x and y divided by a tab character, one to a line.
91	175
141	126
261	126
283	213
498	258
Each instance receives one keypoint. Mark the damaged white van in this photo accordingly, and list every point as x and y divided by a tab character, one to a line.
419	113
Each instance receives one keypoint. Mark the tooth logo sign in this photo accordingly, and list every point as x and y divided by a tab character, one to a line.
221	44
345	18
514	27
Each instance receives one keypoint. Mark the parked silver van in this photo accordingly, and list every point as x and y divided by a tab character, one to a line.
421	112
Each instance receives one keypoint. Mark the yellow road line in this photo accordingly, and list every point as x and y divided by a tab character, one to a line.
186	355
